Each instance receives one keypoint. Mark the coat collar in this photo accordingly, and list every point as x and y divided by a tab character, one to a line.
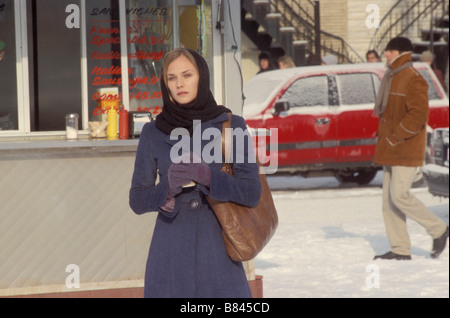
401	59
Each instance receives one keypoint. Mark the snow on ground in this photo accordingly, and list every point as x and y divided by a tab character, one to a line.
327	238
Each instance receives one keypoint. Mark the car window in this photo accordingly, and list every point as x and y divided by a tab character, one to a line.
432	90
376	83
356	88
257	92
308	91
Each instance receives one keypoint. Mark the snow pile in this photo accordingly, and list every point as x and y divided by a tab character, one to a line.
328	236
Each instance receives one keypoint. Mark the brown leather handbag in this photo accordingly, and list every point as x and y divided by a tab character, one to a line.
245	230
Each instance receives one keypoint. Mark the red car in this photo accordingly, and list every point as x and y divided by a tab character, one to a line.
324	117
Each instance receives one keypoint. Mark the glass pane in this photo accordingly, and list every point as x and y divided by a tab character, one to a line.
308	91
433	93
356	88
150	36
376	83
196	29
55	64
257	92
8	73
103	55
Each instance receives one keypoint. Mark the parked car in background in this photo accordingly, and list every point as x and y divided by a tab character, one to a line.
324	116
436	172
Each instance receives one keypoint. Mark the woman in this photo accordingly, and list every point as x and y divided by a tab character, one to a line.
187	256
285	61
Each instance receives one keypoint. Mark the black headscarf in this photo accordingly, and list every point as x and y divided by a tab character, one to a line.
203	108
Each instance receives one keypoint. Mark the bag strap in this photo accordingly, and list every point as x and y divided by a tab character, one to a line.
227	143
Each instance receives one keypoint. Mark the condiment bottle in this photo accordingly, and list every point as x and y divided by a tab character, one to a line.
123	123
112	127
72	126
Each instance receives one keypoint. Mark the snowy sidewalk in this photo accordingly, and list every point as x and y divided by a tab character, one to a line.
327	238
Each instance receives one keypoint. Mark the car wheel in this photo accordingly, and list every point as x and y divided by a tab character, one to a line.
360	177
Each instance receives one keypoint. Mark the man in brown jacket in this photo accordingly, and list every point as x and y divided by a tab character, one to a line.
402	106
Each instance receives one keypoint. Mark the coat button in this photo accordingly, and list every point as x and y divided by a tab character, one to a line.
193	204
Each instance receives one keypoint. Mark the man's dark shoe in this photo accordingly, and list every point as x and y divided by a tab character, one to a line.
439	244
392	255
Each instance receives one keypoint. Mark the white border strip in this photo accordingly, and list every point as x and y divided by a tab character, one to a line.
84	69
23	90
124	55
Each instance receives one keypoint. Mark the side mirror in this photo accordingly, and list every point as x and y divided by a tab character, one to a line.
280	106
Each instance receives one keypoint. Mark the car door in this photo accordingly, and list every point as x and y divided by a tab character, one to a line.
438	101
306	131
356	124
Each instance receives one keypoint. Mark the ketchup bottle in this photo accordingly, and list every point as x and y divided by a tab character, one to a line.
123	123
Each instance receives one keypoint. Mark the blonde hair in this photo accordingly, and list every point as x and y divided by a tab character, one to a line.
172	56
286	60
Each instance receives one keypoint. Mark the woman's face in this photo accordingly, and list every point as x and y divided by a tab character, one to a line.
282	65
182	80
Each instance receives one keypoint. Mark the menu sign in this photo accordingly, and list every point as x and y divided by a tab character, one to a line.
149	36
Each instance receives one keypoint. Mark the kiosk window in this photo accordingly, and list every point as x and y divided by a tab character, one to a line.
8	77
55	65
49	69
150	36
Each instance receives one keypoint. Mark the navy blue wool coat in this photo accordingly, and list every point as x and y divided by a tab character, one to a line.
187	256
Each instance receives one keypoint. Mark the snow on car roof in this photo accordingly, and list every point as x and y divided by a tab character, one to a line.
289	72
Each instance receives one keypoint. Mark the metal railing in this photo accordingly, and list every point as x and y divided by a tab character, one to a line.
299	14
410	20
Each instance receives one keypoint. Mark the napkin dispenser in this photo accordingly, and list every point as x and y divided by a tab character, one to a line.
137	120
